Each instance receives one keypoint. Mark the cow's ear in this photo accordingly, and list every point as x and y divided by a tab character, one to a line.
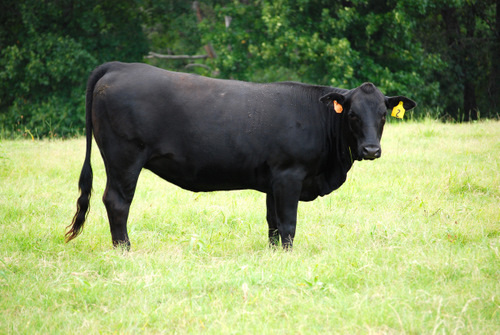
336	99
392	102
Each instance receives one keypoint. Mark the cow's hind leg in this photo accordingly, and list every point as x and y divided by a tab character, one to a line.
120	188
117	200
272	221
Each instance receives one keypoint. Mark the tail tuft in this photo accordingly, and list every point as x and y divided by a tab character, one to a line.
83	202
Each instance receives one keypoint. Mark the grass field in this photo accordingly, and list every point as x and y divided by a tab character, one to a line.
409	244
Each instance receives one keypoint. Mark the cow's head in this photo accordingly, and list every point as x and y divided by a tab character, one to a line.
364	110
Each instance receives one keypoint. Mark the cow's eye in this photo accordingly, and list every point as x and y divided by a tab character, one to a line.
353	117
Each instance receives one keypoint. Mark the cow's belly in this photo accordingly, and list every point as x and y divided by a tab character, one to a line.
209	176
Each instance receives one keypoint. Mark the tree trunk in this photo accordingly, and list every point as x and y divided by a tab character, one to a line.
460	32
208	47
469	65
494	86
470	105
452	32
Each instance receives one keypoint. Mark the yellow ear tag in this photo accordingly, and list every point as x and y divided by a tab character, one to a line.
398	111
338	107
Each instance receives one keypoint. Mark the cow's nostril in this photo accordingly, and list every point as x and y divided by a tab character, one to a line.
371	152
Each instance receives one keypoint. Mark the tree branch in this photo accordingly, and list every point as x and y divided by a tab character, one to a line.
157	55
197	65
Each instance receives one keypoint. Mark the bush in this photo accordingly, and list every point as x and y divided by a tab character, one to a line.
43	84
46	58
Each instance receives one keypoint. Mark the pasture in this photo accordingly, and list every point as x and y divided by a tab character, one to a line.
409	244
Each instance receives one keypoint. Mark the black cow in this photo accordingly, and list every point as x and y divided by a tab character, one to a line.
289	140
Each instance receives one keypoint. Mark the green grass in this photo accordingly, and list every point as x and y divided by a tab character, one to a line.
409	244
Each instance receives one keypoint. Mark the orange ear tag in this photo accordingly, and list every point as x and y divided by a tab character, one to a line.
338	107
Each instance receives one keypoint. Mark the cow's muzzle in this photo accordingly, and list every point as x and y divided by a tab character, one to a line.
371	152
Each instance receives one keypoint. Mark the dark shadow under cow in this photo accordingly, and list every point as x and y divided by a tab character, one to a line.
292	141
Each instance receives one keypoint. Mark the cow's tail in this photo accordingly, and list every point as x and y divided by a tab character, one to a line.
86	176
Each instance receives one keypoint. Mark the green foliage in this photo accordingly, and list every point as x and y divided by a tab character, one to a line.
171	27
323	43
44	68
442	54
466	36
406	47
39	89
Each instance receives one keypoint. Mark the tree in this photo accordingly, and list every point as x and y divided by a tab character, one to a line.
340	44
172	29
443	54
48	49
465	34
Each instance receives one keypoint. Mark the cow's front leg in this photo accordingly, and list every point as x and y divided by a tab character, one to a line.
286	194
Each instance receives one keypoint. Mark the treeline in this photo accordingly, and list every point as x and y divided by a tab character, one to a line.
444	54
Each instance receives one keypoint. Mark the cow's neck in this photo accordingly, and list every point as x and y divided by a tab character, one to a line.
339	160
